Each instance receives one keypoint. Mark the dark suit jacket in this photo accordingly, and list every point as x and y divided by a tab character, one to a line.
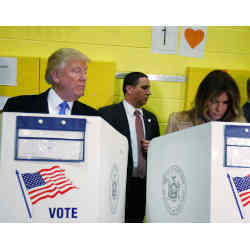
39	104
116	116
246	110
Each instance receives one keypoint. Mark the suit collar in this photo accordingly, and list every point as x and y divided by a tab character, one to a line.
124	121
54	100
130	109
42	104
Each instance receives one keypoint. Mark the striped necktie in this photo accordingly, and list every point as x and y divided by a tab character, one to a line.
142	162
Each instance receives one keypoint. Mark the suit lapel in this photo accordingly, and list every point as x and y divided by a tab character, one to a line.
75	108
124	129
123	123
147	123
42	103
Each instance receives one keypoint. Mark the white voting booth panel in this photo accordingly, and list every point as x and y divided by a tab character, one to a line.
61	169
200	174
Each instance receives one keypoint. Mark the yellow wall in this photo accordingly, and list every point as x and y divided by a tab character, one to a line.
130	48
27	68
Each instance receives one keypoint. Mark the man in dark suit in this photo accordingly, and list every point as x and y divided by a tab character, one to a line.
246	106
122	116
66	72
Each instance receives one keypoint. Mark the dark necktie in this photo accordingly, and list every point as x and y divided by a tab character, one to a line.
62	108
142	163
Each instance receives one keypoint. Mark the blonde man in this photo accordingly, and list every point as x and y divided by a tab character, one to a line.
66	72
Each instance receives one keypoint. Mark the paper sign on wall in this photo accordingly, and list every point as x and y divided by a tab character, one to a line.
193	41
8	71
164	39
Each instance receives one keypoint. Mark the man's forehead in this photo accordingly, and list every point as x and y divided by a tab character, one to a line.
144	81
76	63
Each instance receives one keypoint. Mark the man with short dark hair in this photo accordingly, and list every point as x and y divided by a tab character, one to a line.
66	72
139	126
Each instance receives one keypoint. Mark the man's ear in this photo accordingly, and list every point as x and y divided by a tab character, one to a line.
129	89
55	76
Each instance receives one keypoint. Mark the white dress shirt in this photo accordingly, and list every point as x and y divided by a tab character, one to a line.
54	101
130	110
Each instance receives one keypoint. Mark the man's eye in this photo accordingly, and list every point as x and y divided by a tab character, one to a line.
76	70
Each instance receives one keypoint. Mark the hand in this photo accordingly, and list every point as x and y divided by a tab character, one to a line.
145	144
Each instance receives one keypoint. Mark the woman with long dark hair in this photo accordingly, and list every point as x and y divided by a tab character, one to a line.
217	99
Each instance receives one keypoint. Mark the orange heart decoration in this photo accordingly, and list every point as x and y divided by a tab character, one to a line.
194	37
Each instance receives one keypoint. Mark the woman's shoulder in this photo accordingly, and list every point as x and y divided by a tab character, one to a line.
240	118
182	116
178	121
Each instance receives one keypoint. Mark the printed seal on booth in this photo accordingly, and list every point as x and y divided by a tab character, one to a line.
114	189
174	190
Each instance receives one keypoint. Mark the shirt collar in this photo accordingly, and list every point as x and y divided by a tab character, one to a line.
131	109
54	99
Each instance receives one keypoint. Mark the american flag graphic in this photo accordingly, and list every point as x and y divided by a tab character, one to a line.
242	185
47	183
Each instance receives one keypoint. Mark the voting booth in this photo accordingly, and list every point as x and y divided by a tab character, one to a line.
61	169
200	174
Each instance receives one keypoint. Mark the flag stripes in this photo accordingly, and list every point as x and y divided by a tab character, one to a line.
47	183
242	185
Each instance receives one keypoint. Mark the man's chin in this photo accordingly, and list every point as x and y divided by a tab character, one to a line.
77	97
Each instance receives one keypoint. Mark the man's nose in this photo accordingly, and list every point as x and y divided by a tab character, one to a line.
83	76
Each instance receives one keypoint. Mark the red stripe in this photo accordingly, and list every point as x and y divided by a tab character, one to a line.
58	179
53	196
50	190
45	178
246	204
67	185
243	194
38	189
245	198
48	169
57	171
59	182
48	186
62	182
47	191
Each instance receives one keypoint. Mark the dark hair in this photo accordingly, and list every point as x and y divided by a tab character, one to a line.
132	79
248	88
212	86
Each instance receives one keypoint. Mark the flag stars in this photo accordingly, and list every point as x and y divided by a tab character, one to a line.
33	180
242	183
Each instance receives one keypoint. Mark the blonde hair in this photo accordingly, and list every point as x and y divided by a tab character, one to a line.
59	58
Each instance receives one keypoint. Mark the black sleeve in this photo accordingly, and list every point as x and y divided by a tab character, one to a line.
14	104
156	129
